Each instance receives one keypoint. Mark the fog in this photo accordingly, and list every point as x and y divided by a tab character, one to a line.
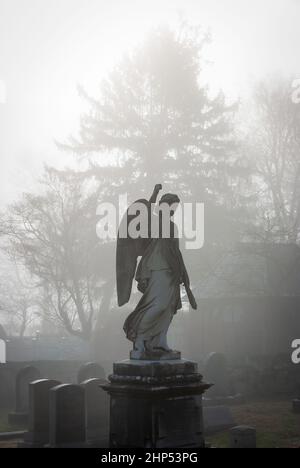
117	97
47	48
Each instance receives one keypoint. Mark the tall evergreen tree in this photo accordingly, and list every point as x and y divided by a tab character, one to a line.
154	122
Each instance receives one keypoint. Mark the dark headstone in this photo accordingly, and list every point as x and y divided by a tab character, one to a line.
39	392
96	412
216	372
243	437
217	418
154	369
24	377
91	370
67	416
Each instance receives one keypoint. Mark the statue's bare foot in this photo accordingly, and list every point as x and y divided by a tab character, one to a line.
140	346
148	347
156	354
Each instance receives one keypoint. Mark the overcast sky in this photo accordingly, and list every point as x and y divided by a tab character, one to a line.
47	47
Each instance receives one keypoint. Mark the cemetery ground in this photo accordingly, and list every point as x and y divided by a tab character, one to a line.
277	426
6	427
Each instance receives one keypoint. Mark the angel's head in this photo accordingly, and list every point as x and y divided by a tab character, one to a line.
172	200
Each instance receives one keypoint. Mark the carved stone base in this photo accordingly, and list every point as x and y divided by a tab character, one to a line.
155	355
156	404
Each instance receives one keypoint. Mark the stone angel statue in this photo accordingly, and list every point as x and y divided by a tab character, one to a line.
159	274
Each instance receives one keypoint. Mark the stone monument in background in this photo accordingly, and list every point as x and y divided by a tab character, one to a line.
156	396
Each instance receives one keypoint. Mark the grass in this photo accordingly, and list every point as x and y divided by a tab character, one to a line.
5	426
277	426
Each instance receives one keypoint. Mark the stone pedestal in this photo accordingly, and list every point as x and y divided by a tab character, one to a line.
242	437
38	434
156	404
96	413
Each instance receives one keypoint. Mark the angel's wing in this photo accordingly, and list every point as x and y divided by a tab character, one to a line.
128	251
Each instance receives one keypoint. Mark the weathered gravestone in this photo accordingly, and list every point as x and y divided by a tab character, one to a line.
97	409
67	416
24	377
216	372
90	370
39	393
3	335
217	418
242	437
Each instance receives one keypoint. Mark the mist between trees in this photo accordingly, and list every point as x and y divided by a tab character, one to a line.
152	122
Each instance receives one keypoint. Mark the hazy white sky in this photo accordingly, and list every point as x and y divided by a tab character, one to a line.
47	47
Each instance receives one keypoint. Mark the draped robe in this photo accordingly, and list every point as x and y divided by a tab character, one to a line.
159	275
